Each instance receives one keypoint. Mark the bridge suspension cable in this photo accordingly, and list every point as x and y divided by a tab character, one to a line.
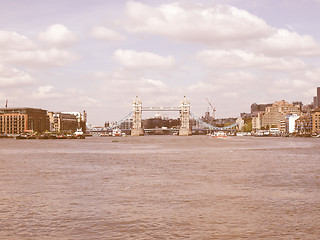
118	123
211	126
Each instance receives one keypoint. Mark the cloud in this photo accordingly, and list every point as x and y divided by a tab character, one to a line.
63	100
109	35
12	77
19	49
286	43
39	58
57	35
46	92
235	58
143	60
195	22
122	82
217	24
14	41
312	75
204	87
285	87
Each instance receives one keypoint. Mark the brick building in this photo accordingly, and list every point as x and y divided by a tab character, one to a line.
67	121
19	120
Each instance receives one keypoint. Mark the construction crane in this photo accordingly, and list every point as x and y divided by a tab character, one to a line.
213	109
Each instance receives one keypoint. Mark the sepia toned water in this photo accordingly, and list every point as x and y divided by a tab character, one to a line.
160	187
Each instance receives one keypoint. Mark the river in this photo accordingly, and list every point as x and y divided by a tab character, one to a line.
160	187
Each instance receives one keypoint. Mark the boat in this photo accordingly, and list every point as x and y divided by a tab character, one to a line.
61	136
5	136
25	136
116	132
219	134
79	134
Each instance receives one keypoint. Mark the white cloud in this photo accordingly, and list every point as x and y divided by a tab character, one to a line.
109	35
288	86
39	58
312	75
286	43
122	84
18	49
196	22
12	77
46	92
63	100
57	35
201	87
14	41
143	60
217	24
235	58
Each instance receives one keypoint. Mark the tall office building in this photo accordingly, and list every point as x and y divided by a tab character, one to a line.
315	102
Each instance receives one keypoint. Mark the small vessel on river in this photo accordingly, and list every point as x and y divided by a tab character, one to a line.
219	134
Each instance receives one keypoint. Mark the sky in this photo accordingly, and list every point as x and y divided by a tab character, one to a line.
98	55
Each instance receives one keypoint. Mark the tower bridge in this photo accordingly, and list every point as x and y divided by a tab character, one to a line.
184	110
185	116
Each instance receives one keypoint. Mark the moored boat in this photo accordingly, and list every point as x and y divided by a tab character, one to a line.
79	134
116	132
219	134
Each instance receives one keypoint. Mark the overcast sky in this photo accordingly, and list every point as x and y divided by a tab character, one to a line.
97	55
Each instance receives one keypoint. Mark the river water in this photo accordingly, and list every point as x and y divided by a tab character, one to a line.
160	187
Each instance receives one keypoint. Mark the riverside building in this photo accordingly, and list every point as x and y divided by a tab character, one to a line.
316	121
19	120
310	123
274	116
304	124
67	121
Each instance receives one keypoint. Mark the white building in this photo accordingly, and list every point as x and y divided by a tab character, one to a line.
291	121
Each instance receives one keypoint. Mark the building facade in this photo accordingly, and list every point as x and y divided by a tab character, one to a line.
310	123
291	123
304	124
256	122
256	108
316	121
19	120
67	121
81	119
127	124
275	116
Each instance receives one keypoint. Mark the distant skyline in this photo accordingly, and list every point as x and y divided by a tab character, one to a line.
97	55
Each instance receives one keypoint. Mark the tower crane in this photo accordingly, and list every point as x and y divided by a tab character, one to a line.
213	109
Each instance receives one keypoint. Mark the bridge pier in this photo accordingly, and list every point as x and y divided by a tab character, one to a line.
137	129
185	118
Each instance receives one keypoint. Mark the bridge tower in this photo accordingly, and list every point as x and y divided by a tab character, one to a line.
137	129
184	118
